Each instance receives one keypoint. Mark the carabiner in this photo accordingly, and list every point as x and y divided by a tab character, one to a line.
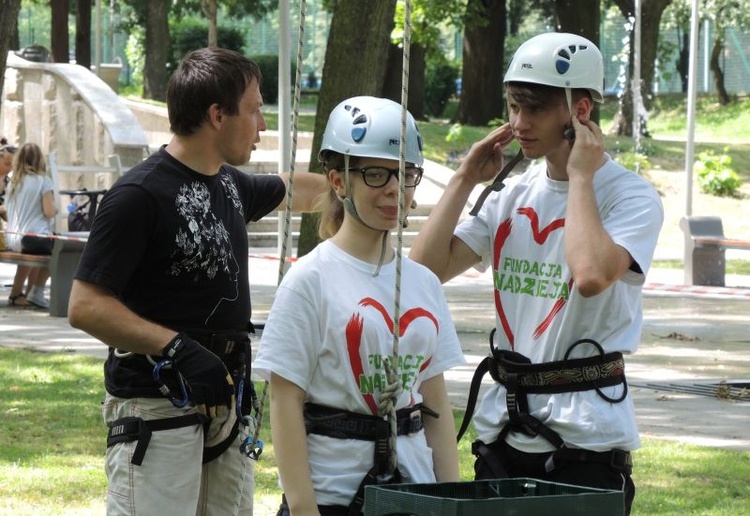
251	448
238	407
179	403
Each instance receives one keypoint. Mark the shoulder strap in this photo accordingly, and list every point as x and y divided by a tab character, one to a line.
476	382
497	184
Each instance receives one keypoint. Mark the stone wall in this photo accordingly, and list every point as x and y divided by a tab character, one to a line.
70	111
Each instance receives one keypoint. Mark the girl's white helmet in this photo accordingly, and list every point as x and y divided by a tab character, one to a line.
371	127
559	59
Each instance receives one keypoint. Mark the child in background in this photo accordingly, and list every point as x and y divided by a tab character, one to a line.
30	209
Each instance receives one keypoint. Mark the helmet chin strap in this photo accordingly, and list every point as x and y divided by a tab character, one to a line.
352	210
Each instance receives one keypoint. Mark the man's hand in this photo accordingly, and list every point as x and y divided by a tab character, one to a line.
587	153
211	385
485	158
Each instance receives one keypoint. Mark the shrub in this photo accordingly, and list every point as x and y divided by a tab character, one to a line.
633	160
269	68
190	34
715	176
440	85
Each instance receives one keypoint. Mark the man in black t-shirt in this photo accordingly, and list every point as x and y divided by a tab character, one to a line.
163	281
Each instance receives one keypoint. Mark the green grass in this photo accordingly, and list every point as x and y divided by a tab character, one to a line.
741	267
52	438
52	442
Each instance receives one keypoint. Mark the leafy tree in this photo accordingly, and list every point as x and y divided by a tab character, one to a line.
59	31
580	17
154	16
233	8
483	52
8	17
677	16
355	64
724	14
83	33
427	16
651	12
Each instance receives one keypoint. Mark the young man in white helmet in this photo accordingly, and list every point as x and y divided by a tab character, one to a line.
569	242
330	330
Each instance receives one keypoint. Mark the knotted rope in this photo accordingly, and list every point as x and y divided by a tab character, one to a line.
389	397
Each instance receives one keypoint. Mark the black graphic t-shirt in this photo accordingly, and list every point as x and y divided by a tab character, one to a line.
172	245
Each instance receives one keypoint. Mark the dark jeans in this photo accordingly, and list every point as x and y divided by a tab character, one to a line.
532	465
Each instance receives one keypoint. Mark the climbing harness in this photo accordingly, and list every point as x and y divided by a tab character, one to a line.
520	378
128	429
343	424
233	348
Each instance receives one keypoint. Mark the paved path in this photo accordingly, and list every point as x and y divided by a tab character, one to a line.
690	341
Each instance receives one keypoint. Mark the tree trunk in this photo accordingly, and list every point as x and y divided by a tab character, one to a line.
355	64
580	17
8	19
83	34
59	31
393	76
157	43
651	12
209	8
718	73
683	58
482	74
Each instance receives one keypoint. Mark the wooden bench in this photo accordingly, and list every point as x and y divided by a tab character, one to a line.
62	264
706	245
29	260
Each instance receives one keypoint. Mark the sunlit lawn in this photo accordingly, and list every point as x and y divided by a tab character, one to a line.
52	442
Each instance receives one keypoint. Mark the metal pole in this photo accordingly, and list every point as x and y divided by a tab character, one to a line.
285	102
636	82
689	143
98	42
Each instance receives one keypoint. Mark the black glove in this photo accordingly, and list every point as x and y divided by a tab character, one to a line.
210	383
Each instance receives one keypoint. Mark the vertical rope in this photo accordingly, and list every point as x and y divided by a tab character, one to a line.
391	366
288	208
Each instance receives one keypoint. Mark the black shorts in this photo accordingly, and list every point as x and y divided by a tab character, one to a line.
36	245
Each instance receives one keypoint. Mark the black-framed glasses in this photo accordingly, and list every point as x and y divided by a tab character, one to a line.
378	177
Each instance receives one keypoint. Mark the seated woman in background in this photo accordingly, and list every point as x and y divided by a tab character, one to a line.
30	206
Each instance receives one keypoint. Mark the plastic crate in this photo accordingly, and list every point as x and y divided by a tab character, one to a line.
509	496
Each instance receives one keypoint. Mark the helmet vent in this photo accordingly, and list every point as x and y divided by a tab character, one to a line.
358	133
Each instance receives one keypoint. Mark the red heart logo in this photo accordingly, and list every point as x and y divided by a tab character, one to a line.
354	330
540	237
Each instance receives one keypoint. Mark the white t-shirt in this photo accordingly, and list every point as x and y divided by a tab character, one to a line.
24	208
329	329
539	311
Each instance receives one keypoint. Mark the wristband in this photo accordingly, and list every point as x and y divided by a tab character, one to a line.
174	346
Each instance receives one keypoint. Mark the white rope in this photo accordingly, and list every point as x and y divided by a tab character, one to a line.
389	397
288	208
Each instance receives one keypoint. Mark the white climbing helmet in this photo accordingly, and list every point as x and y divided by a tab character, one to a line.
371	127
559	59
